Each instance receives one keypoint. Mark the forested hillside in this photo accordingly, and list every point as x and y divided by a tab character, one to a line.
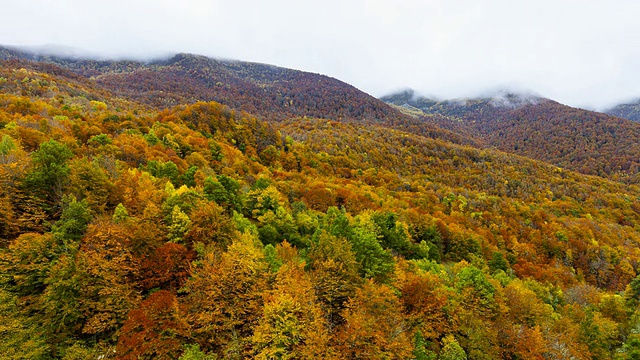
584	141
199	231
630	110
269	92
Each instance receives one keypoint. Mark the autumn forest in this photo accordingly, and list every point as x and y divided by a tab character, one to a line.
192	208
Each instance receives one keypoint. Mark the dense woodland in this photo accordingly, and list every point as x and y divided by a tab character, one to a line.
270	92
130	231
580	140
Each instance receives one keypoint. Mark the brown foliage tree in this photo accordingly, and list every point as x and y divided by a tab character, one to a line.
167	268
154	330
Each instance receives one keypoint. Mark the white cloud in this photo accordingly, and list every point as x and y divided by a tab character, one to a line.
583	53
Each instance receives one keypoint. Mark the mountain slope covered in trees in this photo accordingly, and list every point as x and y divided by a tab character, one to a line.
584	141
269	92
629	110
199	231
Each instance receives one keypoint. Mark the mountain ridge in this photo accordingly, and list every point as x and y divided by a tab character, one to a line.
267	91
582	140
276	94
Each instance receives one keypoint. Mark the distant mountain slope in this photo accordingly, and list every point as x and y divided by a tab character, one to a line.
270	92
576	139
257	88
630	111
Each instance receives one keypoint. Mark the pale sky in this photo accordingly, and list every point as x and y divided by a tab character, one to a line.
582	53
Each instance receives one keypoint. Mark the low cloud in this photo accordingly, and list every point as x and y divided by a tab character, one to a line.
576	52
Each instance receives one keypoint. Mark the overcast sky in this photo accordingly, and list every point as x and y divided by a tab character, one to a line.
583	53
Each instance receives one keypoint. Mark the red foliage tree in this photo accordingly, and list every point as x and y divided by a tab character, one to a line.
154	330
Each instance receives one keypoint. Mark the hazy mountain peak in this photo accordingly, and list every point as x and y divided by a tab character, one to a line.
52	51
503	98
61	51
514	100
628	110
409	98
500	98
